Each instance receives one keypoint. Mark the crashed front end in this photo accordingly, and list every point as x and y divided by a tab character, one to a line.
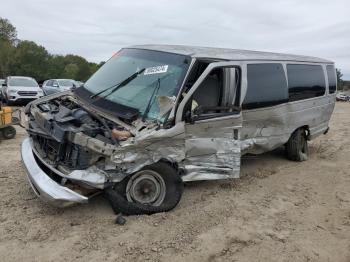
66	156
133	114
74	151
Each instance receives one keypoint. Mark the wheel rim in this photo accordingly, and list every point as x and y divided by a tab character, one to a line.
146	187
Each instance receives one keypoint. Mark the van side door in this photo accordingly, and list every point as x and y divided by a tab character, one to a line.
211	110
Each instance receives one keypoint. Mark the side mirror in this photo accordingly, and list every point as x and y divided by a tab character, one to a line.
55	85
3	84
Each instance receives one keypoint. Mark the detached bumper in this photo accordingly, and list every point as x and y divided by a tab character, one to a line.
45	187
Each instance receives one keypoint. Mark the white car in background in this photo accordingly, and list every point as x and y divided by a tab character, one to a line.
53	86
20	89
342	97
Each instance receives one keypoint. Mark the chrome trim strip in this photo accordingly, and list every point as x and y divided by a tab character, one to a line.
46	188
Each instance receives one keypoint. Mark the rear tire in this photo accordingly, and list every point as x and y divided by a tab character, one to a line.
155	188
297	147
8	132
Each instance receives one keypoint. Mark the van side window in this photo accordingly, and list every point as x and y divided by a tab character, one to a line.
332	80
209	93
305	81
267	86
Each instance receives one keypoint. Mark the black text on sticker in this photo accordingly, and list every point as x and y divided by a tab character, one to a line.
156	70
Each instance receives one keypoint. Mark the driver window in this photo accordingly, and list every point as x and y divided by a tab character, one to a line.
217	95
209	93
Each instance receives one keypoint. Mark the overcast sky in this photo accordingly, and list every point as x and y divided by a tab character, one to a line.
97	29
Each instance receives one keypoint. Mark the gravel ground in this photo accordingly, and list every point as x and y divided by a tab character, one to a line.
277	211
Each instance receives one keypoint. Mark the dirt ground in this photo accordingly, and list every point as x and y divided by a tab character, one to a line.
278	211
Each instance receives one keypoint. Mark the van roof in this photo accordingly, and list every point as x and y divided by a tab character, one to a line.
229	54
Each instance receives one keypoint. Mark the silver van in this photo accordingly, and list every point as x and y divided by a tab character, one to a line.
156	116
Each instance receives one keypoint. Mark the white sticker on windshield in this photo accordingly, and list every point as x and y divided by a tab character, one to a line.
156	70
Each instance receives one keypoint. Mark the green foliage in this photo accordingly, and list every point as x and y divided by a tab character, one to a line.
29	59
7	31
26	58
339	79
70	71
6	55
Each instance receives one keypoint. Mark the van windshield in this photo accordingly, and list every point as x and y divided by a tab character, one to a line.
160	71
28	82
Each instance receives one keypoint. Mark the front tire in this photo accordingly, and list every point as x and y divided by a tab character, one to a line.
155	188
297	147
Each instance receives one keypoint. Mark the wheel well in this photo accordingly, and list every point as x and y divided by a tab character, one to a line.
171	163
306	128
164	160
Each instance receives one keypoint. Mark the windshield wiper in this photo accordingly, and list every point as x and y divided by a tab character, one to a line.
150	101
119	85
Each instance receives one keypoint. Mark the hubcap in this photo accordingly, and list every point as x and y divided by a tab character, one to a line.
146	187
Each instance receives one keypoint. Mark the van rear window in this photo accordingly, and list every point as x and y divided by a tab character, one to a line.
332	80
267	86
305	81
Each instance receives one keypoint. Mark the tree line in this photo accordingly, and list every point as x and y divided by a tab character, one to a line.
26	58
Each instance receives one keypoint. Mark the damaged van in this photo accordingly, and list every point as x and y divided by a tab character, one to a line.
156	116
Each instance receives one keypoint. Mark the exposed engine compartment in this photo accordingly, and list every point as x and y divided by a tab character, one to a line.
77	142
55	123
64	115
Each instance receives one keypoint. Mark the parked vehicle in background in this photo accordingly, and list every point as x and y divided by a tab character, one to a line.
342	97
53	86
20	89
79	83
43	83
1	82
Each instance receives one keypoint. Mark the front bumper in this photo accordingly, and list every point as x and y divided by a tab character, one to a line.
22	98
45	187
